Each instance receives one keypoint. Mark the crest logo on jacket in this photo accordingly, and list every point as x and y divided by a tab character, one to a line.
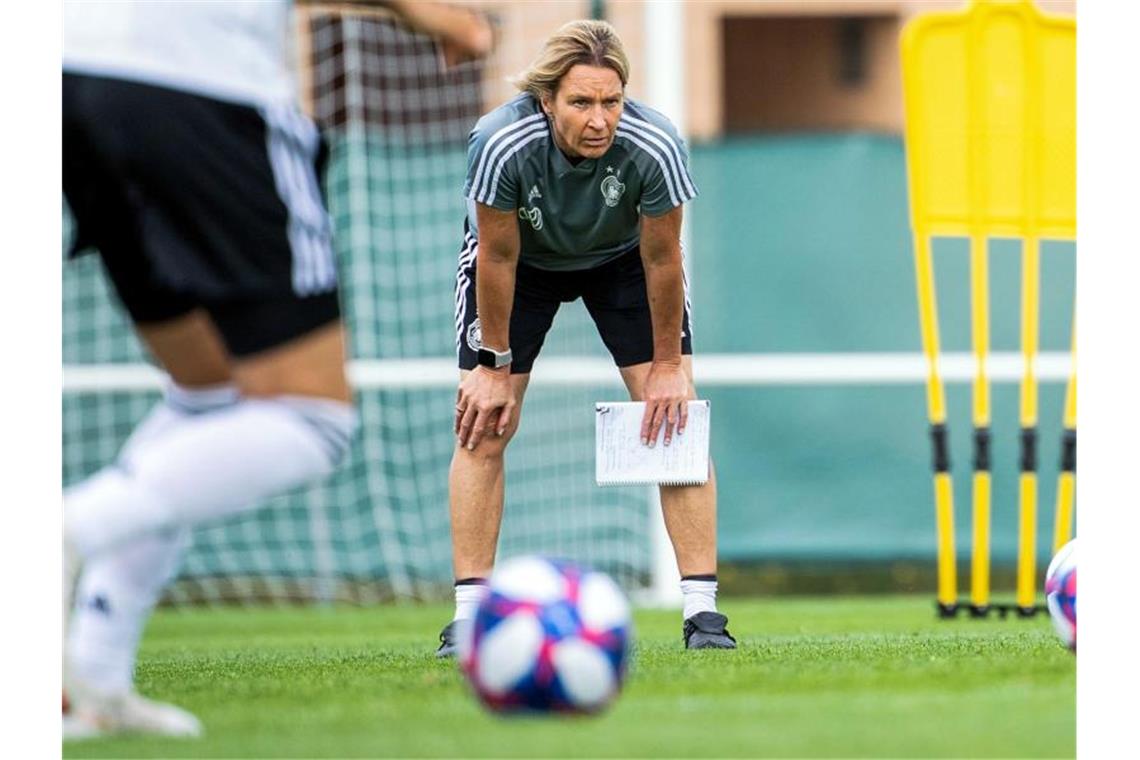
475	335
532	215
612	190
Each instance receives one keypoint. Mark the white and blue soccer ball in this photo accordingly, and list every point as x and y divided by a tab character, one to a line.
1061	593
550	636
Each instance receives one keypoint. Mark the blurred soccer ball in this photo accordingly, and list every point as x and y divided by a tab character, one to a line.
1061	593
549	636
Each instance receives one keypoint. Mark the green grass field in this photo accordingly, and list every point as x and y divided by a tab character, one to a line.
822	677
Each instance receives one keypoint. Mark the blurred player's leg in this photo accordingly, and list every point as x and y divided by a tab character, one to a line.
690	519
118	590
476	487
116	594
285	430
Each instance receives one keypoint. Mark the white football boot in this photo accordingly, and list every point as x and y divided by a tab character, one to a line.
92	714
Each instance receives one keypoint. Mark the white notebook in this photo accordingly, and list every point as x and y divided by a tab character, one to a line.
622	459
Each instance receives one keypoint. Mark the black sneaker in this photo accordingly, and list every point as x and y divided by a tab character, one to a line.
706	630
448	641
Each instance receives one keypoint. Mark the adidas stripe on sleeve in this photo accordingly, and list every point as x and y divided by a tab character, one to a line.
663	161
492	177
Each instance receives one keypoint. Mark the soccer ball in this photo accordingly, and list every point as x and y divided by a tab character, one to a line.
1061	593
549	636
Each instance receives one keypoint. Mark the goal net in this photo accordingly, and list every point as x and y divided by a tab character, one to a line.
396	125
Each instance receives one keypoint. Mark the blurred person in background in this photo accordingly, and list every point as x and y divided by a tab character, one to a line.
188	165
574	191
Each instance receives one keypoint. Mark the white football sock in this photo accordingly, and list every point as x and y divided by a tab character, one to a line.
209	466
177	404
467	598
116	594
118	589
699	596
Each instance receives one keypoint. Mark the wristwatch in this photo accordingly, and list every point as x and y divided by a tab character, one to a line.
489	357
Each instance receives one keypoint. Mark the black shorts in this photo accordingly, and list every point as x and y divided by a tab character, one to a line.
613	293
194	202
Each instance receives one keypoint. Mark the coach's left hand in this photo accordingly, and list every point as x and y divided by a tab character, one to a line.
666	401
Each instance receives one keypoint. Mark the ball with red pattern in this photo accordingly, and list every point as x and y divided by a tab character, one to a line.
550	636
1061	593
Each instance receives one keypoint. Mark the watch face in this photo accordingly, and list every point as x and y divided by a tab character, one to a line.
493	359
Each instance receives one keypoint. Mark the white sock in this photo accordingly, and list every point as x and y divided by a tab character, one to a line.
209	466
115	597
467	598
118	589
178	403
699	595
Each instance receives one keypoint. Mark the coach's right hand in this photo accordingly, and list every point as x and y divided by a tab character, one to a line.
485	402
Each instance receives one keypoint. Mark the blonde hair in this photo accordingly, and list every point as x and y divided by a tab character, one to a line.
589	42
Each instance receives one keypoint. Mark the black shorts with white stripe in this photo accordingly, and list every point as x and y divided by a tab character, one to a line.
614	294
194	202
